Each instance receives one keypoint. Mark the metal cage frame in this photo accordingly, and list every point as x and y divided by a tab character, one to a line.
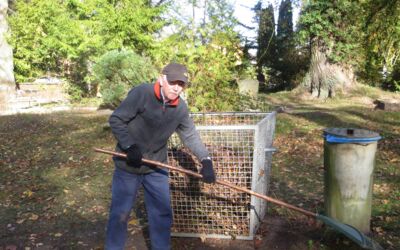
240	144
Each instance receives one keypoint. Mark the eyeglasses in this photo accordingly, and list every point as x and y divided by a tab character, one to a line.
179	83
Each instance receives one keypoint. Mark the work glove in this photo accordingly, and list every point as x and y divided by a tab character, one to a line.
207	171
134	156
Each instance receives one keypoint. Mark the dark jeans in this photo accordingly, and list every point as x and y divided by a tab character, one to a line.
158	205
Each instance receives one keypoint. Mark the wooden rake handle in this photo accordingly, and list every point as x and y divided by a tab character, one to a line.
221	182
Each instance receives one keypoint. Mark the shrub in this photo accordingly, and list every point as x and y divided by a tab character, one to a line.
74	92
117	71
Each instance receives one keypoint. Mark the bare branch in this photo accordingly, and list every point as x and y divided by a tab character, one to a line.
246	26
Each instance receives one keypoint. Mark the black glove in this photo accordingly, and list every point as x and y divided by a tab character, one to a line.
134	156
207	171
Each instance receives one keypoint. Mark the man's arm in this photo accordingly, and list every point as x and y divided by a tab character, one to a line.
191	138
121	117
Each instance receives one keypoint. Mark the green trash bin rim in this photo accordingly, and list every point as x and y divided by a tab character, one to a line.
350	135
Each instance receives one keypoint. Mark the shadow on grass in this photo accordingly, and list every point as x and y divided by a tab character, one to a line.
52	182
306	230
378	121
386	175
378	116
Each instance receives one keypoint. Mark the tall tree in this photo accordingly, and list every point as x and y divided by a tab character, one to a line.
42	33
7	81
333	31
285	22
265	39
65	37
214	61
382	43
130	24
213	58
285	48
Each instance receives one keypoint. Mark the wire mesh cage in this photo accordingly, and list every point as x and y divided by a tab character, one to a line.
240	146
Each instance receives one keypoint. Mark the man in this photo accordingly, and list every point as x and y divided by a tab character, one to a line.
142	125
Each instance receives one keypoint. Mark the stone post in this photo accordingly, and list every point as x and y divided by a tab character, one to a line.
7	81
249	87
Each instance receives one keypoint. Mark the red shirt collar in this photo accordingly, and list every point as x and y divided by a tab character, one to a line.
157	92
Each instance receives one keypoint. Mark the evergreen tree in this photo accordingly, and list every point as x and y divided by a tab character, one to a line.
66	37
285	49
266	41
382	44
213	56
285	22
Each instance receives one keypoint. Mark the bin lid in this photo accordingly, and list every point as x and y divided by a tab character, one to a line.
350	135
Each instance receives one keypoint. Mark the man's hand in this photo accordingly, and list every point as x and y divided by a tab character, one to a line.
207	171
134	156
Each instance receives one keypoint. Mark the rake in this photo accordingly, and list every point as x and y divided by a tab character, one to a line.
350	232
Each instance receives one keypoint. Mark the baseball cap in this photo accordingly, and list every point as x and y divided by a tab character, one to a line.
176	72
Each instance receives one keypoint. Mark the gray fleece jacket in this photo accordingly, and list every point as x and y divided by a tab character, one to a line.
145	120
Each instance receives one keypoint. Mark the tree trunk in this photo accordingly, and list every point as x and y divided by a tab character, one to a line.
324	77
7	81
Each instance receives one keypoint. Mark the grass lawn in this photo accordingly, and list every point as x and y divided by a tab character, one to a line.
55	190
